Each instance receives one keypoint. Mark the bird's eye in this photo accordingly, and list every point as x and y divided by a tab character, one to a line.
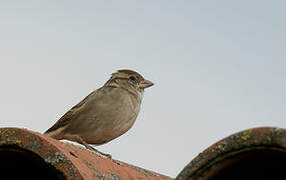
132	78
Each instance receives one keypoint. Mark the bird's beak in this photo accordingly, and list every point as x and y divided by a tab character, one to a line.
145	84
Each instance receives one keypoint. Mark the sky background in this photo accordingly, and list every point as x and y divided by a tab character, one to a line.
218	68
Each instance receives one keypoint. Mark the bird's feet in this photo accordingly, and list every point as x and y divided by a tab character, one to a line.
108	156
89	147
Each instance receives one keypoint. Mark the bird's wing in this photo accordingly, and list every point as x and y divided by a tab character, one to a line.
66	118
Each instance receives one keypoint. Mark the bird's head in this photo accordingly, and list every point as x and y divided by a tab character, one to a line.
129	79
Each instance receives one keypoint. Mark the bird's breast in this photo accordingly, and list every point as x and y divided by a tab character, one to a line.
110	116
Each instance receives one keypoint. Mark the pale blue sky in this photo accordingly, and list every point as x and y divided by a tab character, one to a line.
218	68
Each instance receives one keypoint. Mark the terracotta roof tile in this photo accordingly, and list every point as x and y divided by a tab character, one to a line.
69	161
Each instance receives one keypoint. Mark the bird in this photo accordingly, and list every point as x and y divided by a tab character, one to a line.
105	114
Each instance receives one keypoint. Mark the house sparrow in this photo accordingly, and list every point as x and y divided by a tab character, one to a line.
104	114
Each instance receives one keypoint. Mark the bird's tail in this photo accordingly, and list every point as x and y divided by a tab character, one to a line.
56	134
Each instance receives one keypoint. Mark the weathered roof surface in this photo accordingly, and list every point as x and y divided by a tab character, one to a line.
258	153
25	153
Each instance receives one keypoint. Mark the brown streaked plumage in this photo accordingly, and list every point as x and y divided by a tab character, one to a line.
104	114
